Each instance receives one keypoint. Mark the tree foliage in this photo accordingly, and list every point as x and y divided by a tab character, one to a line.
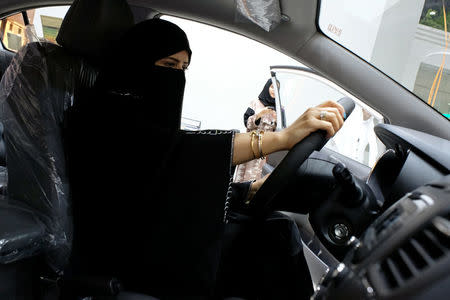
435	18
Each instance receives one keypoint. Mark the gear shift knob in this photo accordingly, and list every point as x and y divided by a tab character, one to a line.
353	193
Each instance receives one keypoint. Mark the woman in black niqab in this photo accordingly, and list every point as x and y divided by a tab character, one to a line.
161	87
260	115
154	197
265	96
180	243
157	192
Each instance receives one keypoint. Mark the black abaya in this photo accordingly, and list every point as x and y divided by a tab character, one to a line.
149	199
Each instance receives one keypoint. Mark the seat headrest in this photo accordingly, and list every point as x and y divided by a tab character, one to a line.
91	26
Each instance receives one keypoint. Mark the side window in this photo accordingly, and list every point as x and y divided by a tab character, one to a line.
226	73
32	25
300	89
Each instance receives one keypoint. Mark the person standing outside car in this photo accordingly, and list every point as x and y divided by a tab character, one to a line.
261	115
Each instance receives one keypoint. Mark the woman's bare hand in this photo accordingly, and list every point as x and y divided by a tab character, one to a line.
307	123
310	121
254	187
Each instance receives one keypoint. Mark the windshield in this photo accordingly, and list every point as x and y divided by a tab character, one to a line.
405	39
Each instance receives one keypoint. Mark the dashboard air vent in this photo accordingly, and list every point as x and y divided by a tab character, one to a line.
417	254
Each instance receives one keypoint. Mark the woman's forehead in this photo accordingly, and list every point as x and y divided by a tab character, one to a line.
181	56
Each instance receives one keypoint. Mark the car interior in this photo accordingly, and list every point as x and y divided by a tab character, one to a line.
368	232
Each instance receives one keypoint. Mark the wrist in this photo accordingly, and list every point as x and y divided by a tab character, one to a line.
282	140
273	142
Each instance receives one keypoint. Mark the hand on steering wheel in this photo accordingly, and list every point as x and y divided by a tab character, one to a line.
312	129
328	116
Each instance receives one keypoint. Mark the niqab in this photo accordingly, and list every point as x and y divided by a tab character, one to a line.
152	196
265	97
160	89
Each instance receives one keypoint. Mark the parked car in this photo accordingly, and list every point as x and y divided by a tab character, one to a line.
372	204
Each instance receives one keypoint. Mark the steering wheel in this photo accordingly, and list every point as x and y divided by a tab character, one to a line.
284	173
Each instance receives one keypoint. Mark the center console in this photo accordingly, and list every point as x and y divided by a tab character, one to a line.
403	254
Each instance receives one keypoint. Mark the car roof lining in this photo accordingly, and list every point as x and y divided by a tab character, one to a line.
222	14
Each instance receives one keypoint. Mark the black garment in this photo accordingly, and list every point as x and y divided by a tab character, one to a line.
142	46
148	202
160	89
265	99
248	113
262	258
153	39
149	198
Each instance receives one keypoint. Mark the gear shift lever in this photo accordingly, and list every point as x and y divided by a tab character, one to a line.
354	194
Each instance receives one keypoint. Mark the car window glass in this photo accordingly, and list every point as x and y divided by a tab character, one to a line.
407	40
226	73
44	24
300	90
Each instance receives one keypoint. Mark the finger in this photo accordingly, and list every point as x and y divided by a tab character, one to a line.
334	115
330	116
326	126
330	103
336	105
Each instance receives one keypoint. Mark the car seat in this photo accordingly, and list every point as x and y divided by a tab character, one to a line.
39	127
5	59
38	89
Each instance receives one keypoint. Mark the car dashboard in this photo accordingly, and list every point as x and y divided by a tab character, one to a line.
404	253
400	247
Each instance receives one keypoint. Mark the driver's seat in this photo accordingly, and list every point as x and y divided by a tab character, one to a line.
38	89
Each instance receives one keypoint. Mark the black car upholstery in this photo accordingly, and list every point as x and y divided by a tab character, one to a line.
34	117
5	59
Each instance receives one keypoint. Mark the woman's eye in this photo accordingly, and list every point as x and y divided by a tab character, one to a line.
170	64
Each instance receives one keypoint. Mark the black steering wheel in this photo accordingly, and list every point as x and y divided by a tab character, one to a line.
284	173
